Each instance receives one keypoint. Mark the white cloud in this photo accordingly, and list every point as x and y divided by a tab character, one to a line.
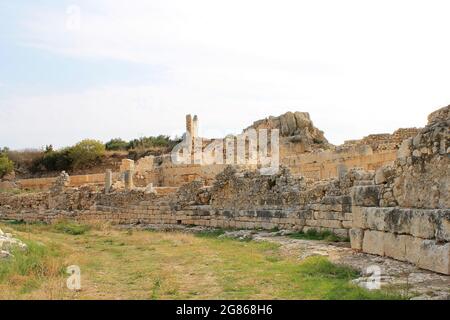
358	68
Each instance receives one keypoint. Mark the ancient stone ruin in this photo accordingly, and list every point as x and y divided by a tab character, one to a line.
389	193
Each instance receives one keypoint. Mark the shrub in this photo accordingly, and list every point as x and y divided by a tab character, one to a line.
6	165
53	161
151	142
116	144
86	152
23	159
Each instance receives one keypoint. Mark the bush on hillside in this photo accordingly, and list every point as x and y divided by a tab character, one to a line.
150	142
86	152
6	165
116	144
53	161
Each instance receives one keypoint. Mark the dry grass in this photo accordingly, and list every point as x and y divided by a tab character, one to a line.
121	264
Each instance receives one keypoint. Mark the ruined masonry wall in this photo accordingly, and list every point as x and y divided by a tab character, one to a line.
405	212
330	215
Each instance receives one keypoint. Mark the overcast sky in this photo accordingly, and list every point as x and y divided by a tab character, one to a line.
101	69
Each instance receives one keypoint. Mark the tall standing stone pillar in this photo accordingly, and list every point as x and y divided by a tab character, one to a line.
189	125
108	180
195	127
128	175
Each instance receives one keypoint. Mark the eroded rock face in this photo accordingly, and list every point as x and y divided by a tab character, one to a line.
295	125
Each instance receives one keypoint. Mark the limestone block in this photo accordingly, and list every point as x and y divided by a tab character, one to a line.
423	223
305	214
395	246
108	180
434	256
348	216
328	215
347	224
398	220
127	165
405	149
380	177
373	242
443	226
312	223
359	217
343	233
356	238
412	249
375	218
334	224
366	196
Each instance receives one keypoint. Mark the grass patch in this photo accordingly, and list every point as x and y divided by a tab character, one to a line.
117	264
313	234
71	228
213	233
29	268
320	266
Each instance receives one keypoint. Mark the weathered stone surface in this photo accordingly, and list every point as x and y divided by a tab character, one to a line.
373	242
375	218
384	174
413	253
359	217
419	181
434	256
405	149
61	183
298	126
395	246
424	223
356	238
366	196
443	226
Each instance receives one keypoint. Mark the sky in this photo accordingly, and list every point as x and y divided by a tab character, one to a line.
102	69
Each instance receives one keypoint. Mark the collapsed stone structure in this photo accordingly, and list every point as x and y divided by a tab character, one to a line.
400	210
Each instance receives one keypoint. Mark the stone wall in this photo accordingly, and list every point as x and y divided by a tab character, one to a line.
404	213
75	181
277	202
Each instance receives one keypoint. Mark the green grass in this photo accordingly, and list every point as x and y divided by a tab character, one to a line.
213	233
118	264
71	228
313	234
18	191
28	268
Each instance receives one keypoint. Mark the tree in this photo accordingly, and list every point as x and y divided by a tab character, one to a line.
116	144
6	165
86	152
